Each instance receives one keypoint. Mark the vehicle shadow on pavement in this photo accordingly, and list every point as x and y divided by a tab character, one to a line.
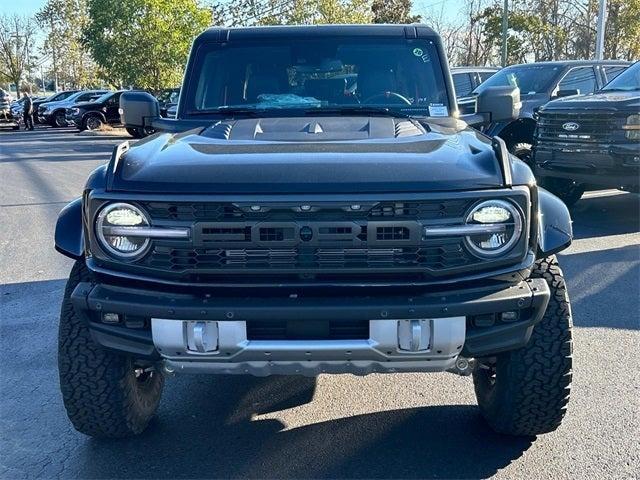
614	214
211	432
613	301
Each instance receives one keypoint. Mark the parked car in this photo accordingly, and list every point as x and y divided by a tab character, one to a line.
56	97
276	232
465	80
539	83
7	119
54	113
97	113
167	99
591	140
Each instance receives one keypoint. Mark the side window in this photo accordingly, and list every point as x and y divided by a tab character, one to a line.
463	84
582	79
612	71
484	76
85	97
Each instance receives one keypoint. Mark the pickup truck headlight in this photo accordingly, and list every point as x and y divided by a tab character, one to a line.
494	227
632	127
118	228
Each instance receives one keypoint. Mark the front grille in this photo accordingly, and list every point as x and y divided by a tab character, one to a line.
592	127
292	241
308	330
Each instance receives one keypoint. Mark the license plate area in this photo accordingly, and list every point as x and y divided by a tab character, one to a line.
308	330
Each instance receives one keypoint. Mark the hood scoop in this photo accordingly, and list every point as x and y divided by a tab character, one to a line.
305	129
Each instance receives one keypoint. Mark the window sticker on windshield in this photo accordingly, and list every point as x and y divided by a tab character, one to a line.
438	110
418	52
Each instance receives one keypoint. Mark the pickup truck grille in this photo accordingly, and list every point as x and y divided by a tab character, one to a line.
591	127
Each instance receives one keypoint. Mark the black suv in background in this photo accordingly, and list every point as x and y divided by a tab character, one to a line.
94	115
539	83
591	140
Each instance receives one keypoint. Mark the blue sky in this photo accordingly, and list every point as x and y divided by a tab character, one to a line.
449	8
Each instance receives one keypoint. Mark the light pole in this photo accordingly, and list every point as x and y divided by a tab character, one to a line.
505	27
602	20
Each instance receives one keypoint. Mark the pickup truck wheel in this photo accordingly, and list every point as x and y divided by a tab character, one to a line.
524	152
104	394
565	189
526	391
134	132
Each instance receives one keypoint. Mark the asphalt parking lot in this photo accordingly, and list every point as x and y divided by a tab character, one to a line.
399	426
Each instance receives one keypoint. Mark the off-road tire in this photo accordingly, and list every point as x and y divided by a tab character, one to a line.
565	189
524	152
101	392
134	132
525	392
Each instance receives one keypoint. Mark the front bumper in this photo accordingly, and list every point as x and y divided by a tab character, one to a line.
608	165
156	325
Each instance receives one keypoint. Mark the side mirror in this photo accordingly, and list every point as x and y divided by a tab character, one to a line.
138	108
567	93
501	104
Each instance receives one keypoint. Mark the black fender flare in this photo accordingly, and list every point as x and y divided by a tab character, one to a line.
555	231
69	235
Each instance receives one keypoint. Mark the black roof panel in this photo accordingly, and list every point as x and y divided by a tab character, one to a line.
221	34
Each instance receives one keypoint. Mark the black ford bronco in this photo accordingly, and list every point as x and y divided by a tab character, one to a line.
317	206
591	140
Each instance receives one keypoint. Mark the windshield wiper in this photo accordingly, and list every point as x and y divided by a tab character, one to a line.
630	89
359	109
227	111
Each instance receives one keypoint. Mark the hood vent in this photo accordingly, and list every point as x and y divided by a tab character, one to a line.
221	131
406	128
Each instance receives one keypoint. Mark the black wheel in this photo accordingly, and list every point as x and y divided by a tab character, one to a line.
526	391
105	394
59	120
565	189
523	152
134	132
92	122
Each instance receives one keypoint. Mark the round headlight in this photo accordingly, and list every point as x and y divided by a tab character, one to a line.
499	227
113	221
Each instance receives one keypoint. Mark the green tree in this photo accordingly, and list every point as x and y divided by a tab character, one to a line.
71	62
393	11
290	12
143	43
16	44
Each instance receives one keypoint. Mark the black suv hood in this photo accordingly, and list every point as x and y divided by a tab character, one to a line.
609	101
311	155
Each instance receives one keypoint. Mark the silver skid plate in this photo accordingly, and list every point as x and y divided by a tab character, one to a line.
419	345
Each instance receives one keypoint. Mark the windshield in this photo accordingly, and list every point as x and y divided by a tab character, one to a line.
103	98
627	81
530	79
319	73
56	97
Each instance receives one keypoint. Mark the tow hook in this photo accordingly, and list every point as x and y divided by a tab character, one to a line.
464	366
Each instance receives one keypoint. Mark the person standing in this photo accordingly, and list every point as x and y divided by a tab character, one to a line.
27	112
